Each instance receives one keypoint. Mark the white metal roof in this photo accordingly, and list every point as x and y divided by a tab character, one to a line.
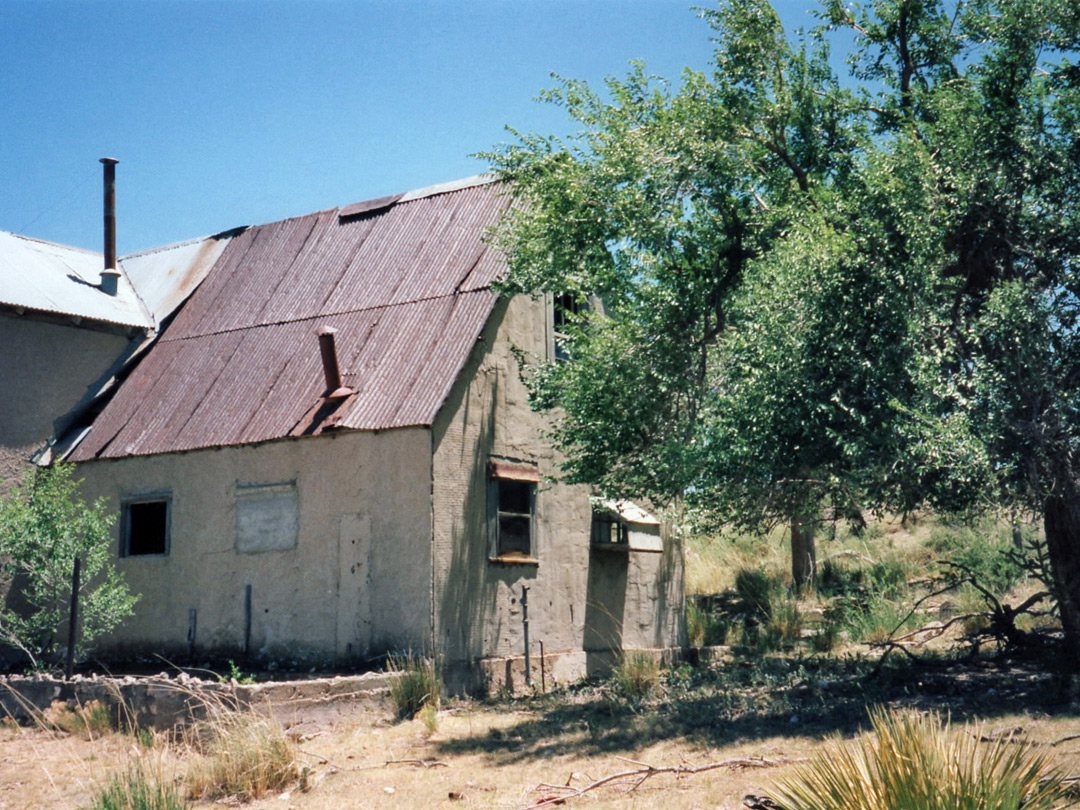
63	280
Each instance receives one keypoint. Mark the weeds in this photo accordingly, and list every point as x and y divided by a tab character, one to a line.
637	677
916	761
243	754
416	686
87	720
139	789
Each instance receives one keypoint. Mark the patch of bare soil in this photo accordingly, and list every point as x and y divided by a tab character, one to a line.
760	719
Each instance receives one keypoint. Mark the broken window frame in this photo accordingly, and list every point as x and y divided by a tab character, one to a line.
126	532
507	482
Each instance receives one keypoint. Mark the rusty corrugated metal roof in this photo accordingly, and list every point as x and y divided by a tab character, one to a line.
406	282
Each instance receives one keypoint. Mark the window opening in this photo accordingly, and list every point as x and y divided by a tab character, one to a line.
566	310
511	506
608	530
144	526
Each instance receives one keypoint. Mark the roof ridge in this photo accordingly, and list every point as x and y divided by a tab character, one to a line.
26	238
230	232
457	293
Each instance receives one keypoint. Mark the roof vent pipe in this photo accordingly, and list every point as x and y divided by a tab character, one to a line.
335	390
110	276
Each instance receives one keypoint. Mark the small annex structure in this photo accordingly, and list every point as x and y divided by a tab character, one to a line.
320	451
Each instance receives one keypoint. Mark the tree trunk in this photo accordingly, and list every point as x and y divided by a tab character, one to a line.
1061	520
803	554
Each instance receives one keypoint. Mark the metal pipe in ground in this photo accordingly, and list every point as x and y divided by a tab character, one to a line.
525	626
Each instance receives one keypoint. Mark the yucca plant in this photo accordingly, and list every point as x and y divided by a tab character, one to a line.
918	762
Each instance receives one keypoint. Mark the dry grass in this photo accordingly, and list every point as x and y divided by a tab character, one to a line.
240	754
483	757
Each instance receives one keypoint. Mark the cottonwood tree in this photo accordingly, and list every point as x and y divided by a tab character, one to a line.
823	294
44	526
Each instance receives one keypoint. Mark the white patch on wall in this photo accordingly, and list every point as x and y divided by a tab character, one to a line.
267	517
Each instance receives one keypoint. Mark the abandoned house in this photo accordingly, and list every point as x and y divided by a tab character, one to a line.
318	447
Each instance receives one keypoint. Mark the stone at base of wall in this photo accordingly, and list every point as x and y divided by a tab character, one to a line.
163	702
507	675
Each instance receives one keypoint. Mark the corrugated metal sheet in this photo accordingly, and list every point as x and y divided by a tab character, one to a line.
62	280
406	286
165	276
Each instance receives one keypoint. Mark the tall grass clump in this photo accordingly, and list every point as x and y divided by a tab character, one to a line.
139	789
244	754
917	762
637	677
416	686
703	627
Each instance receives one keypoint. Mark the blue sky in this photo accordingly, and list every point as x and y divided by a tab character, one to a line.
226	113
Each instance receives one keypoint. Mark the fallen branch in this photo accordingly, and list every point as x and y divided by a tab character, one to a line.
646	771
421	763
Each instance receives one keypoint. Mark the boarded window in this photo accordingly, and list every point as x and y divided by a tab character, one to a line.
267	517
511	506
144	525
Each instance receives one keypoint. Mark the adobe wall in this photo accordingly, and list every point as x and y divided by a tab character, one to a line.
45	369
579	600
356	583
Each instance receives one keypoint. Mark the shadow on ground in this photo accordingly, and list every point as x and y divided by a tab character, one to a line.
742	702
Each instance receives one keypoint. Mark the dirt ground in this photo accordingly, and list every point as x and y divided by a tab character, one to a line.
514	754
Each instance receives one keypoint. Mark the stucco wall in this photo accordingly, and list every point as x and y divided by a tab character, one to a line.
579	600
45	369
356	583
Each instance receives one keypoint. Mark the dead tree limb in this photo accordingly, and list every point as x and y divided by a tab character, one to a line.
645	771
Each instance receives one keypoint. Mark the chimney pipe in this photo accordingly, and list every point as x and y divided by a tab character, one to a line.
110	276
335	390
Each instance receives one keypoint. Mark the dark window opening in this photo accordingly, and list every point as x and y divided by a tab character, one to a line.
512	503
566	311
145	527
608	531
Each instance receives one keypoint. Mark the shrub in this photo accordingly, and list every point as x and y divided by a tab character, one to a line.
136	789
88	720
244	755
416	686
916	762
756	589
637	677
704	628
44	526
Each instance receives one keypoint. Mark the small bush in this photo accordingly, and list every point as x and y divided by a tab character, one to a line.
137	789
87	720
244	755
417	685
877	619
703	627
836	579
637	677
826	638
756	589
916	762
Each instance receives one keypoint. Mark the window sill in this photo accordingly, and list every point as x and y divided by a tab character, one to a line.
510	559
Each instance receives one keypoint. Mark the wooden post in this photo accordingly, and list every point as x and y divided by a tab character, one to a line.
193	618
247	620
73	622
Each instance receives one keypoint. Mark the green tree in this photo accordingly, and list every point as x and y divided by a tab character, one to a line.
824	295
44	526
